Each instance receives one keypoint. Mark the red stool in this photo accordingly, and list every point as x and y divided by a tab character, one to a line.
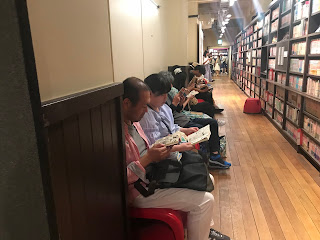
157	224
252	105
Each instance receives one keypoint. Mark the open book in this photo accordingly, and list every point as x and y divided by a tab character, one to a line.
200	136
192	93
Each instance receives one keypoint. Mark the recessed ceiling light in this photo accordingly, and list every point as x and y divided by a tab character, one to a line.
229	15
227	20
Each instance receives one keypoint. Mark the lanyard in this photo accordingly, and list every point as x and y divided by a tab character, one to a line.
162	120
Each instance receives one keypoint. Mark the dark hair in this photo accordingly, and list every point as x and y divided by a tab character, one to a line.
205	53
201	69
167	75
157	84
132	87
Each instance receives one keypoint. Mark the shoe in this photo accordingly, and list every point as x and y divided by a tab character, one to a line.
215	235
217	165
218	110
215	162
221	122
227	163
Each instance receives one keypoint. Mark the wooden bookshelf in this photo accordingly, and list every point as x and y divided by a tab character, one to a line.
279	75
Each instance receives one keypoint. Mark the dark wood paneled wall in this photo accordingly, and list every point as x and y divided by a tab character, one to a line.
87	167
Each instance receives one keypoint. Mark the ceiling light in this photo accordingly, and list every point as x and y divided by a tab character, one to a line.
223	23
229	15
227	20
231	2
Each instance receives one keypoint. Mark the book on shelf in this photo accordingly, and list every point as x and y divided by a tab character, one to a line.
314	67
293	132
271	75
301	10
280	92
272	63
294	99
315	6
278	117
313	87
296	82
297	65
312	107
273	51
279	105
293	114
274	26
275	13
311	126
281	78
315	46
298	48
312	148
300	29
202	135
285	20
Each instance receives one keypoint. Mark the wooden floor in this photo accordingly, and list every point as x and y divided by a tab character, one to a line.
270	191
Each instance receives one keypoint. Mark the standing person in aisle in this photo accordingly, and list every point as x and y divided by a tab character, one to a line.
206	62
197	204
217	66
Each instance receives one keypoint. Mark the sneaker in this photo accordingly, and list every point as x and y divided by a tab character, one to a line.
215	162
215	235
227	163
221	122
217	165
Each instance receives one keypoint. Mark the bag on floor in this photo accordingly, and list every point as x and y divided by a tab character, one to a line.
223	147
190	172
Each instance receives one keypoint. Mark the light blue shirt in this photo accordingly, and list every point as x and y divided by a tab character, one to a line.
155	124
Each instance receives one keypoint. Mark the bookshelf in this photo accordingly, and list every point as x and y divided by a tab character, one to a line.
276	58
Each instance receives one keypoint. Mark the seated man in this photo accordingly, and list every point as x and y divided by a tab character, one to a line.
174	102
198	205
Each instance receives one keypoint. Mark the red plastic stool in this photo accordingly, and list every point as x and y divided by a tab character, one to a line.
157	224
252	105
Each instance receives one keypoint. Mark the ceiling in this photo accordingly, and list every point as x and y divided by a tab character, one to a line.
212	13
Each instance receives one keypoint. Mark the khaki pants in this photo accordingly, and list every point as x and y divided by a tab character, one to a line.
198	205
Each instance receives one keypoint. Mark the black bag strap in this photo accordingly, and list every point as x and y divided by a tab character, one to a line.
142	190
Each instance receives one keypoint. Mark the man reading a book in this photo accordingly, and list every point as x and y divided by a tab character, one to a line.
198	204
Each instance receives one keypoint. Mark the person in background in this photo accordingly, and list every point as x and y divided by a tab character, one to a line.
217	66
206	62
192	103
139	154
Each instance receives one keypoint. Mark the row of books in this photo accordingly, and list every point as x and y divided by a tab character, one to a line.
274	26
297	65
293	114
312	148
298	48
279	105
315	6
275	13
281	78
278	117
296	82
272	63
312	127
273	51
315	46
314	67
271	75
285	20
301	10
294	99
300	29
311	107
280	92
313	87
293	132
